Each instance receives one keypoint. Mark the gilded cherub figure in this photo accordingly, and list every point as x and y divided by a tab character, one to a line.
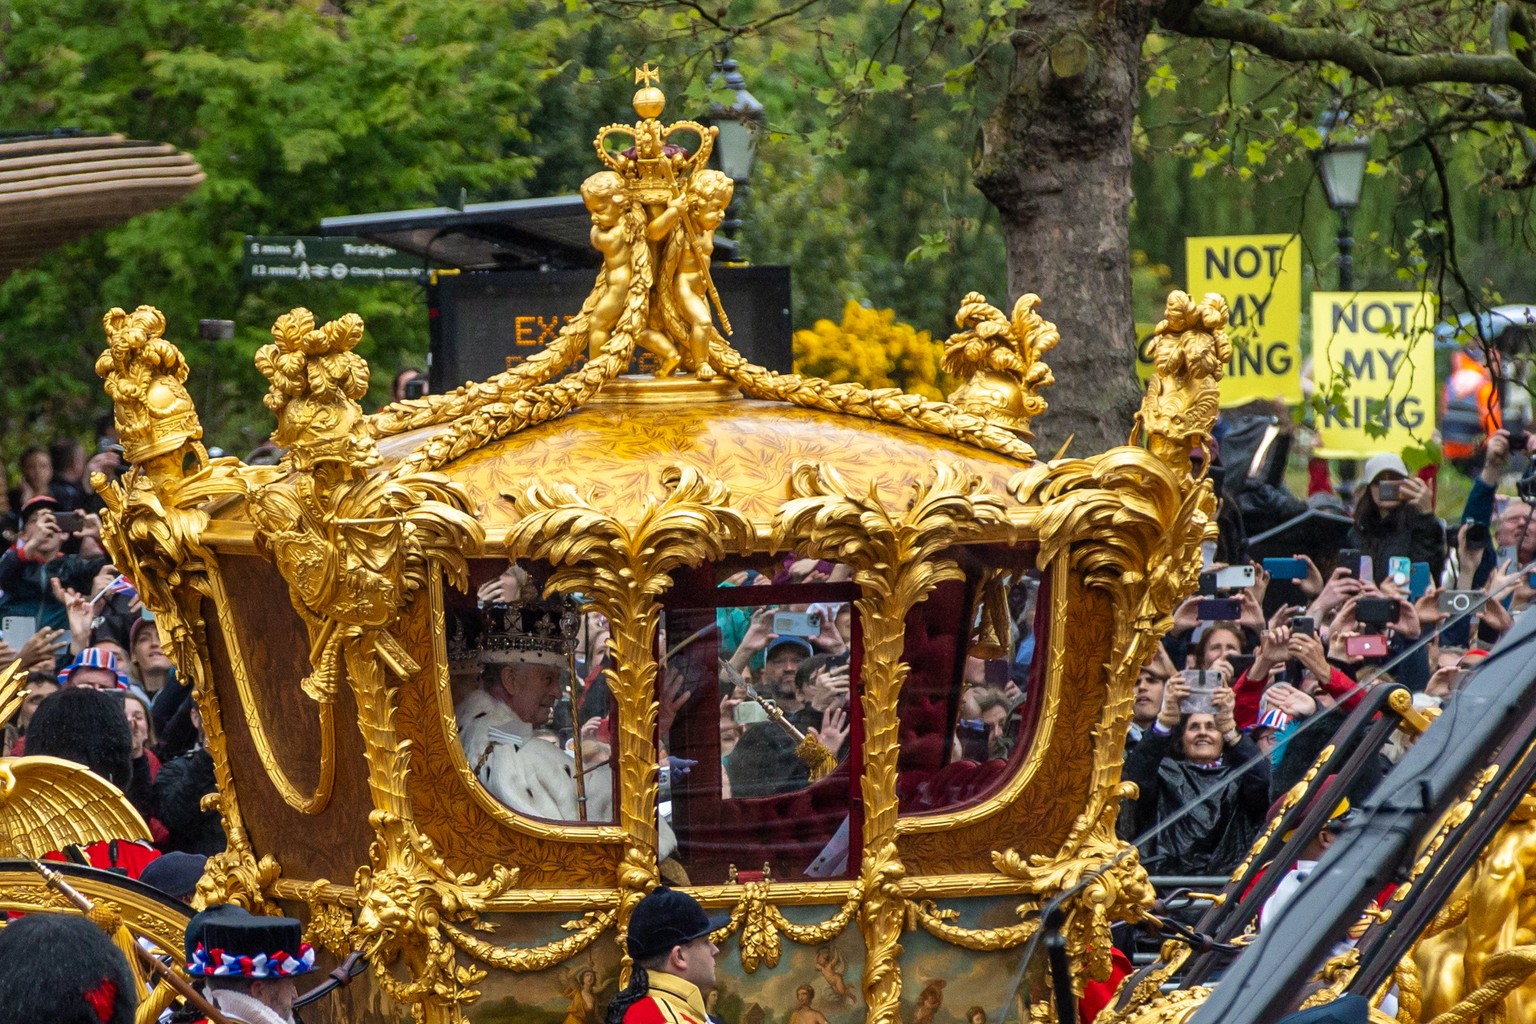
684	287
1188	359
616	233
1000	360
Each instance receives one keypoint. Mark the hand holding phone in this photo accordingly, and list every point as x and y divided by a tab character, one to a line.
1200	685
69	522
1285	568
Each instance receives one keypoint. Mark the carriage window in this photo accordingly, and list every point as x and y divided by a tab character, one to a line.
759	769
534	715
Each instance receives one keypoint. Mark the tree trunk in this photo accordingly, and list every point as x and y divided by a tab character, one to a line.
1056	162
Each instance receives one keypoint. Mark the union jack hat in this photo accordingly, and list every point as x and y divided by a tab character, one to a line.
95	657
1273	719
229	942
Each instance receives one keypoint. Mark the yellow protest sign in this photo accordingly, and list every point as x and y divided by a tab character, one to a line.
1380	348
1260	277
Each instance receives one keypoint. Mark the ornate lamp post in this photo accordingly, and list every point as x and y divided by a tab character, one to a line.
739	124
1341	165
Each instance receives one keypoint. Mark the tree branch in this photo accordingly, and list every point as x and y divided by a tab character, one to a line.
1355	55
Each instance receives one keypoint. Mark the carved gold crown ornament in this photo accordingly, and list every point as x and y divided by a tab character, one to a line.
302	596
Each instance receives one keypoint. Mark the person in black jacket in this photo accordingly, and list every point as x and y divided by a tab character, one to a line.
1193	760
1395	515
178	796
29	567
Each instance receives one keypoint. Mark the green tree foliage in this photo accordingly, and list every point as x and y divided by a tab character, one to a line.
871	347
296	111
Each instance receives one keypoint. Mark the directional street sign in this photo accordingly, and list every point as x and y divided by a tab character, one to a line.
312	258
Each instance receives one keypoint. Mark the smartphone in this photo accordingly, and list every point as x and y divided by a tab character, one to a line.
1285	568
1390	490
995	672
1349	558
796	624
17	629
69	522
1418	580
1304	625
1235	577
1365	646
1218	609
416	387
1398	568
1202	685
1518	439
1376	611
1457	601
1477	537
1208	585
1367	570
1240	663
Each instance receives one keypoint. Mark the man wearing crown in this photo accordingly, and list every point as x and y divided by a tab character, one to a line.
523	651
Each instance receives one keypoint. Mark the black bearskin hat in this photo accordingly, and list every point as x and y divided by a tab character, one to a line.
85	726
62	969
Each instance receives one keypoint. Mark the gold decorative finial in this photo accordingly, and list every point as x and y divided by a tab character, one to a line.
145	377
316	380
649	100
1188	359
1000	361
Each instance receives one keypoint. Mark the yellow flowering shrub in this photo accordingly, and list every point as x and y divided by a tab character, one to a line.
872	348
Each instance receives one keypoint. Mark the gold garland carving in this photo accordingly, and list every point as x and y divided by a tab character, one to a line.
888	405
896	562
530	404
625	568
586	930
758	923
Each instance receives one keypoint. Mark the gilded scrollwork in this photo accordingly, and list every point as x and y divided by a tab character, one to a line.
897	559
1188	359
624	567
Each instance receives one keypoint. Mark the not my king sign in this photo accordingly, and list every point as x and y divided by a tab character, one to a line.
1260	277
1381	346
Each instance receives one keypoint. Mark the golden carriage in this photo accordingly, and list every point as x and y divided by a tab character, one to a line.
312	603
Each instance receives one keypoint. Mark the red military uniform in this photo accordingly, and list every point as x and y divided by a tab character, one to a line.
670	1000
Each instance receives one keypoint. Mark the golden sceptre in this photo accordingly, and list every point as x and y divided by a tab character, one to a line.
808	748
570	621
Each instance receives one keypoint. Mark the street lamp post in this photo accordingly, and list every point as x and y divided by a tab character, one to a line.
736	147
1341	165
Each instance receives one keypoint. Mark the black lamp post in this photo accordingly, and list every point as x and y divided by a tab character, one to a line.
736	147
1341	165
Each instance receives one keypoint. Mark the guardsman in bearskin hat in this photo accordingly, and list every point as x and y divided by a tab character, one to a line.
674	962
247	964
64	970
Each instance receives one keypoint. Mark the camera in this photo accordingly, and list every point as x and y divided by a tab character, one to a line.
1477	536
1518	439
416	387
1390	490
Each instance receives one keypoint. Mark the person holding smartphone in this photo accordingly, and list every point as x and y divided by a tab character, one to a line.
1184	758
29	567
1395	515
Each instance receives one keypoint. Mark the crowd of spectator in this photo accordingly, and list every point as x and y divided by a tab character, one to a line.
1262	666
101	690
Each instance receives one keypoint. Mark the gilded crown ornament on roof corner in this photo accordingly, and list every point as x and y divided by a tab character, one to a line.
316	380
1000	360
145	377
